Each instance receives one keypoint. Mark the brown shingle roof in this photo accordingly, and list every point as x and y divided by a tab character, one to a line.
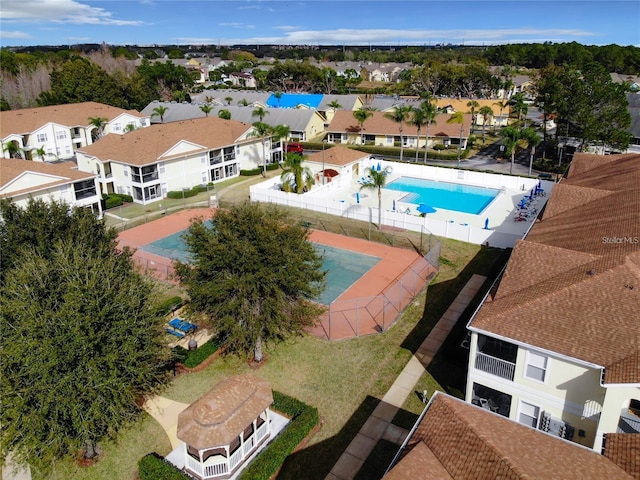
28	120
623	449
573	286
378	124
58	174
419	464
146	145
337	155
473	444
219	416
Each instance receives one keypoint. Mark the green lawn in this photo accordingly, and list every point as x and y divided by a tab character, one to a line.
343	379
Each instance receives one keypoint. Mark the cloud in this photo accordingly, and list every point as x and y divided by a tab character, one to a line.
237	25
61	11
16	34
294	36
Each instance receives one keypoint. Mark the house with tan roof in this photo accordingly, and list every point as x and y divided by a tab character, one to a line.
59	130
335	163
384	132
453	440
556	343
22	180
148	163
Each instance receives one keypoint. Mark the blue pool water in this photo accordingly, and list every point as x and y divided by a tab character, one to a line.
343	267
446	195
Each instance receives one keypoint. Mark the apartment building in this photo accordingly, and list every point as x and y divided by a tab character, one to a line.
556	343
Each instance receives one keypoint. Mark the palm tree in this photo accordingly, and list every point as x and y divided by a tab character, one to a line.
458	117
206	109
12	149
430	112
228	100
224	113
278	96
511	137
260	113
486	112
243	103
501	105
473	104
159	112
99	123
518	106
295	177
334	104
361	116
281	132
418	120
377	179
400	115
40	152
532	139
262	130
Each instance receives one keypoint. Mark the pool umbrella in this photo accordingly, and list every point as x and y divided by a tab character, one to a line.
394	205
357	197
486	224
424	208
378	166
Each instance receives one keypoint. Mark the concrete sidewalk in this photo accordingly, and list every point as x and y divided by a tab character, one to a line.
379	425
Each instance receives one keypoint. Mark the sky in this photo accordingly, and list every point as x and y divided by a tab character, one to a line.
318	22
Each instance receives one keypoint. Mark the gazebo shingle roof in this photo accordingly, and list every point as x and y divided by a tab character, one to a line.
337	155
221	414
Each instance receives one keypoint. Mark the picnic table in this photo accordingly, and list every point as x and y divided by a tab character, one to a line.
182	325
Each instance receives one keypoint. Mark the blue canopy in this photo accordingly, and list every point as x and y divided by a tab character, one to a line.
424	208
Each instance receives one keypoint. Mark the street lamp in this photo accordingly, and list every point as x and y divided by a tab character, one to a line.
324	142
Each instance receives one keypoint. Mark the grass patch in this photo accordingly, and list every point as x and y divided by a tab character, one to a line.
119	459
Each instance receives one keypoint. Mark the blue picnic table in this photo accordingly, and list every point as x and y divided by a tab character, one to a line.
183	325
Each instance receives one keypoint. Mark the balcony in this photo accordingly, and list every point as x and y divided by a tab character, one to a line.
627	424
495	366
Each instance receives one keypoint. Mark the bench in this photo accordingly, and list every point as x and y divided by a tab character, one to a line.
182	325
173	332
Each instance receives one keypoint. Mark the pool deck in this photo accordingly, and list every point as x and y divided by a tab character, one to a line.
394	262
500	212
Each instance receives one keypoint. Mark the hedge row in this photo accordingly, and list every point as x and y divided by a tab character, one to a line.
154	467
169	305
304	418
192	192
193	358
258	171
113	200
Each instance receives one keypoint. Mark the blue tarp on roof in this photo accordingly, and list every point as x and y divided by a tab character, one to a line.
292	100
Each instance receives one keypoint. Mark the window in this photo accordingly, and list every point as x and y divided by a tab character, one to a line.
61	134
529	414
42	137
117	127
536	367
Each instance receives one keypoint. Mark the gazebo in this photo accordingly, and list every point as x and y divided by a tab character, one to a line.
225	426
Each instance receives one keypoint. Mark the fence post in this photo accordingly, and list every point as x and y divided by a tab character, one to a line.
330	321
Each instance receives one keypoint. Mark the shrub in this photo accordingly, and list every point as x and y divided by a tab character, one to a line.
303	420
124	197
169	305
251	173
193	358
439	146
112	201
182	193
154	467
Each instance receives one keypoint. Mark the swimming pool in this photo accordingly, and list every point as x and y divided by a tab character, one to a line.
445	195
344	267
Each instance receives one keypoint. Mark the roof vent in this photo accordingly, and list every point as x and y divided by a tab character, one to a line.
591	272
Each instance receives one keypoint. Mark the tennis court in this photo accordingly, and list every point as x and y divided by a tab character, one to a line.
364	305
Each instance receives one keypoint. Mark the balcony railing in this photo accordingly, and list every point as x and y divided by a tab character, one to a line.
628	425
495	366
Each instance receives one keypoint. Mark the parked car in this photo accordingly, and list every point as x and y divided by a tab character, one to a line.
295	148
